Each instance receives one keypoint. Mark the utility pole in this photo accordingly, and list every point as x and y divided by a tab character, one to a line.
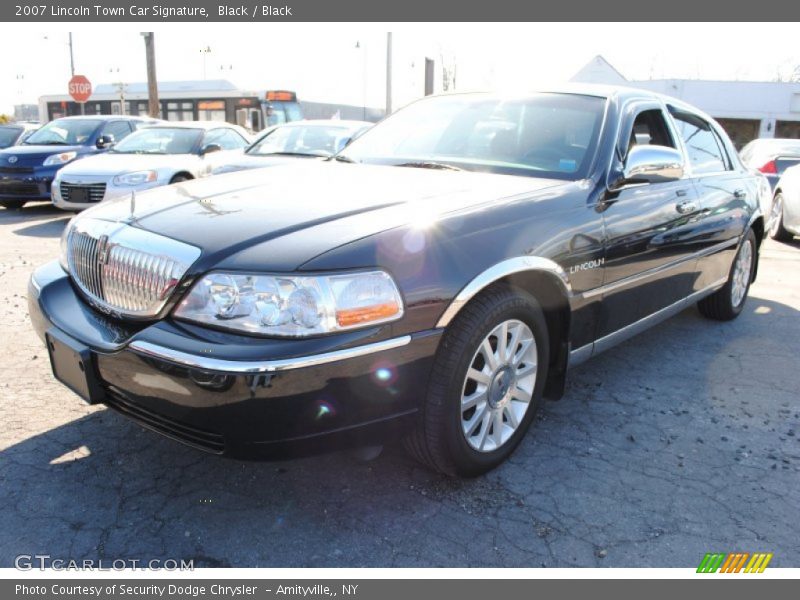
388	73
153	108
72	69
71	57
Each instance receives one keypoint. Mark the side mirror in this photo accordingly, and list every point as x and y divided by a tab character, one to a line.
208	148
105	141
650	164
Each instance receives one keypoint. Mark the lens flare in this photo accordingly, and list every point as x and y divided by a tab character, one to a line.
324	410
384	373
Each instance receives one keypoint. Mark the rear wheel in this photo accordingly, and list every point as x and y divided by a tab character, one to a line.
179	178
727	302
486	384
776	229
12	204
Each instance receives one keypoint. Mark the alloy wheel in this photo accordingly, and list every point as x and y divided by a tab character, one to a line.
498	387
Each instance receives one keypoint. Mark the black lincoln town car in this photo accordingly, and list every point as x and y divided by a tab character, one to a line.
433	282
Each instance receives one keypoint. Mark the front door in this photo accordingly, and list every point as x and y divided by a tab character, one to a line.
648	263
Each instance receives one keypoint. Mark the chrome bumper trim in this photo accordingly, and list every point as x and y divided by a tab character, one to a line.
209	363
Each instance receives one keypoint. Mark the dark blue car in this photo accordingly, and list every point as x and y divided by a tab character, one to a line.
26	171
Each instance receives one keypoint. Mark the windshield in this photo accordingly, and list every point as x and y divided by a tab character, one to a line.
65	132
161	140
8	135
546	135
304	140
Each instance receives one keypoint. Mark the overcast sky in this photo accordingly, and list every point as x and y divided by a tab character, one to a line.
322	61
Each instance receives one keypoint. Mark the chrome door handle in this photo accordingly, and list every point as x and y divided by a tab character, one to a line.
686	207
740	193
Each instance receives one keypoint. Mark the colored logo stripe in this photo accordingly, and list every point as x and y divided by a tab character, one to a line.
734	562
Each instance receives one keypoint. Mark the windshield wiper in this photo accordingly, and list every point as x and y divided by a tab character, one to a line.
341	158
49	143
428	164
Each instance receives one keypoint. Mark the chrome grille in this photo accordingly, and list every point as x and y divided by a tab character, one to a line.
94	191
124	269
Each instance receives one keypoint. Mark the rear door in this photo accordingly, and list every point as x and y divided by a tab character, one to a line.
726	191
647	261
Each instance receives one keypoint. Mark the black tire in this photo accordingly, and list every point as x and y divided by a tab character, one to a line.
776	231
438	440
719	305
12	204
179	178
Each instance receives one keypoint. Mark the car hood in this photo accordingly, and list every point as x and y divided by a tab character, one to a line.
110	164
295	212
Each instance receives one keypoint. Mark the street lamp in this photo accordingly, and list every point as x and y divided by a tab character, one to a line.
121	87
363	79
205	52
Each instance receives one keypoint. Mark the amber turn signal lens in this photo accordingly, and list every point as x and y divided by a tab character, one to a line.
357	316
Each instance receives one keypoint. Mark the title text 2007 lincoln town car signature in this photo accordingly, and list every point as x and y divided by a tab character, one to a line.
433	281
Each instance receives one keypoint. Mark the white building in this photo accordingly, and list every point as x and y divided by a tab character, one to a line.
746	109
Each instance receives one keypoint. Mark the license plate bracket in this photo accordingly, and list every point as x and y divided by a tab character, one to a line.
73	365
79	194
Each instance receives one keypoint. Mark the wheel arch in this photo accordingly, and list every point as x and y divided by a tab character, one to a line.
546	281
757	225
185	174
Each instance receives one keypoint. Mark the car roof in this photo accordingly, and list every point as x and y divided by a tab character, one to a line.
344	123
21	124
777	142
193	125
106	118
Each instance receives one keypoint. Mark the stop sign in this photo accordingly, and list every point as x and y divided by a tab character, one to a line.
80	88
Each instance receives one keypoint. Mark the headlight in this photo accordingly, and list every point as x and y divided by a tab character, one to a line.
59	159
289	306
135	178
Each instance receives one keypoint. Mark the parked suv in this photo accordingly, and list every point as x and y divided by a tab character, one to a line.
27	171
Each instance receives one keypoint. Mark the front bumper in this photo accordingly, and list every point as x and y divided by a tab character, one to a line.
110	189
244	397
26	186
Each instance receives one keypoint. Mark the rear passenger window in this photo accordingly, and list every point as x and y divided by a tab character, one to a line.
704	148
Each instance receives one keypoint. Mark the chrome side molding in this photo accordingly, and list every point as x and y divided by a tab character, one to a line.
209	363
638	277
502	269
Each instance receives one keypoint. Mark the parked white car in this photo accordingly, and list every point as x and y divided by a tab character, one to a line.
148	158
785	217
280	144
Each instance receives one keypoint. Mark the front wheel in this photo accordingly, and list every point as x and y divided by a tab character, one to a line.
776	228
486	384
179	179
727	303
